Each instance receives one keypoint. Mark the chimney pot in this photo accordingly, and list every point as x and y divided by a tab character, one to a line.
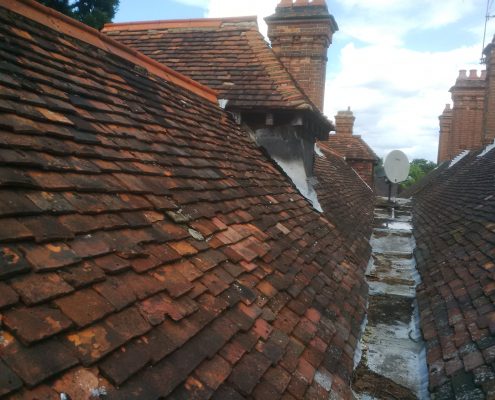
301	3
462	74
319	3
483	74
285	3
473	74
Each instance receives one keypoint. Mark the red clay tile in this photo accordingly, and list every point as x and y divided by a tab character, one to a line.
183	248
37	363
279	378
34	324
155	309
12	229
233	352
116	292
12	262
37	288
144	264
7	296
84	307
247	373
125	362
112	263
263	328
50	256
172	280
82	275
9	382
213	372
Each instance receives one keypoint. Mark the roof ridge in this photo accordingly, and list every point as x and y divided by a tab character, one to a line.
178	23
49	17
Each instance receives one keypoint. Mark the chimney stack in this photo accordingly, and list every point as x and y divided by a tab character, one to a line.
301	33
344	123
489	117
445	134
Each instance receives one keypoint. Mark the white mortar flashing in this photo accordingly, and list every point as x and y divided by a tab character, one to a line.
318	151
487	149
296	172
459	158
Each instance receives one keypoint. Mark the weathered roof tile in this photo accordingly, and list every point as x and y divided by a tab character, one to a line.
153	223
34	324
453	209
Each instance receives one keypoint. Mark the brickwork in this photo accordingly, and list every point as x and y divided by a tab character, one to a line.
365	170
300	35
344	123
472	121
352	148
445	132
489	116
467	120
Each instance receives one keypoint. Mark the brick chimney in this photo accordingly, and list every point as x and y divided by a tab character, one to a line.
301	33
344	123
468	96
489	118
445	134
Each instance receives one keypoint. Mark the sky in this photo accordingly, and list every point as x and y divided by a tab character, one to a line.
392	61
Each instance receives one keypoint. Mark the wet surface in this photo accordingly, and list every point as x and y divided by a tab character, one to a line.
392	363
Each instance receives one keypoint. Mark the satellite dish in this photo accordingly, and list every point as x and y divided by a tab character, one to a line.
396	166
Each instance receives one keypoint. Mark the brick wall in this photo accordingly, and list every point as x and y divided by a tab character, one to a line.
489	117
344	123
365	170
300	35
468	96
445	132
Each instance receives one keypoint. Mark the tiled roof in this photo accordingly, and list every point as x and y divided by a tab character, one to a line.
148	248
229	55
454	219
351	147
346	200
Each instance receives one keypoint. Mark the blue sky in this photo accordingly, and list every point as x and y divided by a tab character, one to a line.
392	62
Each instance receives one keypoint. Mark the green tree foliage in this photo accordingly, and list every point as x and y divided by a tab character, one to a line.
419	168
94	13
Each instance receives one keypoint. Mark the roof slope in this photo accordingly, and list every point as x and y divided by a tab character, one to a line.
346	200
351	147
229	55
454	221
148	248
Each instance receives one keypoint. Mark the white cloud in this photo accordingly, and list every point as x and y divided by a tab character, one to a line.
229	8
396	93
389	21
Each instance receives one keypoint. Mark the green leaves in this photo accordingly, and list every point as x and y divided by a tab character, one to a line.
419	168
95	13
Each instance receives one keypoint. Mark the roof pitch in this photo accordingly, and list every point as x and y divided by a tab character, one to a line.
454	220
229	55
346	199
148	248
351	147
